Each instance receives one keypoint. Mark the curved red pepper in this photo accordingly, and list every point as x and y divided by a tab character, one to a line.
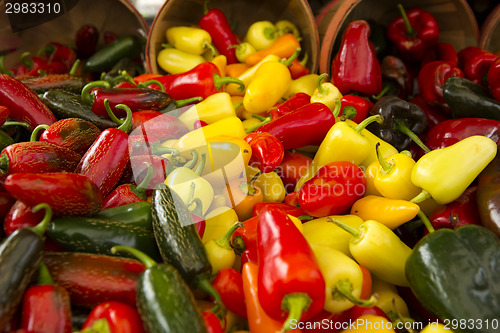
295	102
267	151
355	66
494	79
361	104
72	133
475	63
460	212
440	51
216	24
120	317
24	105
288	271
229	283
333	190
212	322
165	127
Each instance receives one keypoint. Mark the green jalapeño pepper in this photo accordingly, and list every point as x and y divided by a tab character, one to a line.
137	214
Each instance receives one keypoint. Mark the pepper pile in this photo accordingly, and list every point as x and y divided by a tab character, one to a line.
200	201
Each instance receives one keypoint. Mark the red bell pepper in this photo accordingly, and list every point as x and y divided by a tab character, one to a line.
24	105
451	131
104	162
494	79
267	151
460	212
326	322
212	322
290	283
229	284
46	306
92	279
355	66
66	193
413	33
295	102
117	316
441	51
307	125
333	190
360	104
475	63
434	115
86	39
163	127
71	133
201	81
216	24
431	79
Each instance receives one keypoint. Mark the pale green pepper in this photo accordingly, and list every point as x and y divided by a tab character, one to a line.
261	34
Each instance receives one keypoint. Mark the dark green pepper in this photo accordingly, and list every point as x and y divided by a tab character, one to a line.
137	214
467	99
67	82
5	140
455	273
125	47
488	195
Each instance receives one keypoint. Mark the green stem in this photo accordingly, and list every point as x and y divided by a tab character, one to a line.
203	283
338	106
237	105
269	32
211	48
98	326
147	83
158	149
141	256
219	81
15	123
344	288
42	226
361	126
261	118
4	164
225	240
126	125
87	96
354	232
25	61
349	112
201	165
409	29
402	128
319	82
295	55
384	91
422	196
256	126
294	304
427	222
34	134
303	62
44	278
386	166
111	114
183	102
238	245
205	6
73	69
147	179
191	164
198	209
4	70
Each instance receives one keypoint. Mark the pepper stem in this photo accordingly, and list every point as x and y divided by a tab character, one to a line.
294	304
4	70
141	256
191	164
427	222
386	89
295	55
319	82
98	326
158	149
74	67
111	114
409	29
42	226
127	124
204	284
386	166
238	245
349	112
303	62
147	179
269	32
338	106
211	48
402	128
354	232
225	240
422	196
149	82
15	123
87	96
361	126
34	134
28	62
201	166
256	126
343	289
44	278
183	102
219	81
4	163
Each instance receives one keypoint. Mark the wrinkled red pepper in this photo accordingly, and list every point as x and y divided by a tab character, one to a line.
460	212
355	66
119	317
267	151
475	63
216	24
229	283
72	133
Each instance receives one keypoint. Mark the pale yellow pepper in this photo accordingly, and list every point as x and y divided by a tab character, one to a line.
217	222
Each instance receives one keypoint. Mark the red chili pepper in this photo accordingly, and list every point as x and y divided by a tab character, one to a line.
24	105
475	63
413	32
431	79
250	255
355	66
307	125
494	79
327	322
201	81
245	237
104	162
298	69
289	210
434	115
216	24
440	51
62	54
295	102
229	283
46	306
451	131
21	215
86	39
4	114
125	84
292	167
119	317
212	322
139	170
165	127
290	283
72	133
267	151
333	190
67	193
361	104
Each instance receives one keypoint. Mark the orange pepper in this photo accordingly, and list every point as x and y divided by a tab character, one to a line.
366	289
243	196
146	77
235	70
258	320
284	47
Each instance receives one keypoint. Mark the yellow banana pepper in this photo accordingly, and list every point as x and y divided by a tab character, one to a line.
174	61
221	62
219	252
390	212
287	27
270	183
306	84
370	173
213	108
326	93
321	232
189	39
217	222
297	222
261	34
389	300
436	327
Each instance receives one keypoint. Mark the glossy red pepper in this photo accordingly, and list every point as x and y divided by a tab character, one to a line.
288	209
216	24
245	237
298	69
307	125
355	66
21	215
326	322
202	81
295	102
46	306
24	105
92	279
212	322
475	63
104	162
165	127
361	104
229	284
250	255
290	283
137	170
66	193
333	190
72	133
61	53
440	51
433	114
431	79
494	79
267	151
413	33
119	317
292	167
451	131
460	212
4	114
86	39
